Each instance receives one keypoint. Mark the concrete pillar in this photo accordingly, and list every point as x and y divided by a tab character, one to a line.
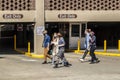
39	19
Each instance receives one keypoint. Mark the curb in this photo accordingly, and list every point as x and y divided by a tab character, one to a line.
100	53
108	54
32	55
41	56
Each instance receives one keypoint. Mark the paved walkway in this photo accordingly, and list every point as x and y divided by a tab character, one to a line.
20	67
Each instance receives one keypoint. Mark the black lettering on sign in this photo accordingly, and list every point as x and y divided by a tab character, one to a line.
12	16
67	16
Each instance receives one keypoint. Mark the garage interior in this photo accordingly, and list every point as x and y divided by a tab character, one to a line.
23	32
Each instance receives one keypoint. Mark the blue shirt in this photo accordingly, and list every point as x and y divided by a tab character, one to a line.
46	41
61	41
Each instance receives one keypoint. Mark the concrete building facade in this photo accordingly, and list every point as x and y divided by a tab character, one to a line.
24	16
27	19
102	16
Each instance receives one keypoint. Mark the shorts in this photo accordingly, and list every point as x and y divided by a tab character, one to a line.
45	45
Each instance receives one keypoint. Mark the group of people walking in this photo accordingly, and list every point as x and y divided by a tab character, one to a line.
90	46
56	47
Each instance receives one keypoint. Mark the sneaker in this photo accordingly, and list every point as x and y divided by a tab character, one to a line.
68	65
45	62
81	59
55	66
92	62
97	61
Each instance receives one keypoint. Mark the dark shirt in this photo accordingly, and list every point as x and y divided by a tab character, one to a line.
93	40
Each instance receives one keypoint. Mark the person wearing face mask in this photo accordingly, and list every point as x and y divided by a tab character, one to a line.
61	50
86	44
46	44
54	43
92	41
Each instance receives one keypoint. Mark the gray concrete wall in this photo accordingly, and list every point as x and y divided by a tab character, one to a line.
82	16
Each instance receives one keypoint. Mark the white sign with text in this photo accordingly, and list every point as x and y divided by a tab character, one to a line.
39	30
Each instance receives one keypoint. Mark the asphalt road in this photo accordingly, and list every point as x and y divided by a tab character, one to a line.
20	67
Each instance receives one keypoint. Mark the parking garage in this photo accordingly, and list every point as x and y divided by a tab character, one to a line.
23	32
109	31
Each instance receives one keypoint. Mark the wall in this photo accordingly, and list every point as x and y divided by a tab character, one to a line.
82	16
39	23
12	18
26	11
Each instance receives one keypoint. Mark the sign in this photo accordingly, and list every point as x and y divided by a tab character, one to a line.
12	16
39	30
63	16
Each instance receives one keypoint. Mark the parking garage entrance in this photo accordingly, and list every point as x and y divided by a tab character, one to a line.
23	32
109	31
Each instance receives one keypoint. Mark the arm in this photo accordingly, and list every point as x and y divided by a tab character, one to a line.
63	43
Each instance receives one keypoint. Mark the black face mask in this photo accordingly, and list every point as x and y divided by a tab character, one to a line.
44	34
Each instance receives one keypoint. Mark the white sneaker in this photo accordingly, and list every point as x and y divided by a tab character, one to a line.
81	59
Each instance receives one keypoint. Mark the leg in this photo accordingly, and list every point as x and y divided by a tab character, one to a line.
63	59
49	56
55	65
93	56
96	60
92	53
59	56
54	58
85	53
45	56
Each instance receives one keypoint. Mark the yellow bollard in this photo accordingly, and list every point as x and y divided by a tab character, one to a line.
78	45
105	45
119	45
28	48
14	42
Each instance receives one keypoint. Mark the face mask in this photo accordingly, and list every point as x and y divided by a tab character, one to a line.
44	34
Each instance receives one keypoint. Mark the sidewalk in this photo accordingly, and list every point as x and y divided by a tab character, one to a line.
20	67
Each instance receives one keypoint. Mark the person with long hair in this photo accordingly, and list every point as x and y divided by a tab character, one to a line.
61	50
54	44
